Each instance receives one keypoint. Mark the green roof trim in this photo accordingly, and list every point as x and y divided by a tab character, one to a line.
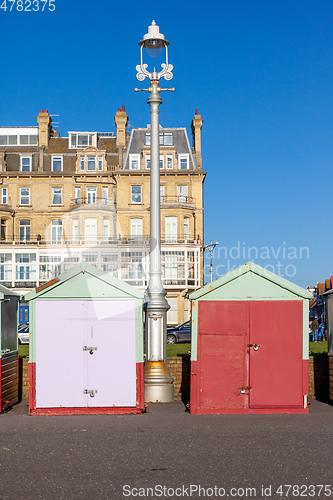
80	281
250	267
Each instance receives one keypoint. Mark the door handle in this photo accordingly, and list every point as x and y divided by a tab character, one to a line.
255	346
244	389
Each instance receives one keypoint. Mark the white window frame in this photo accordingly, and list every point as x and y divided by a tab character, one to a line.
4	196
183	157
75	230
134	162
100	163
77	195
169	162
171	229
54	194
136	228
82	163
56	231
91	224
25	157
23	197
25	230
182	193
186	228
106	229
73	143
133	201
91	160
105	195
162	193
161	162
91	194
148	162
57	158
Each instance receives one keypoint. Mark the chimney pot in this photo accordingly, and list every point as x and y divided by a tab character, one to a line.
119	110
123	108
46	111
196	112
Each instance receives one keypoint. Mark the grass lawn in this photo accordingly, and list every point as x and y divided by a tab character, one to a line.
317	347
23	351
178	350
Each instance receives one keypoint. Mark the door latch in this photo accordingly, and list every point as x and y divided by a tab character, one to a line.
244	389
255	346
91	392
90	349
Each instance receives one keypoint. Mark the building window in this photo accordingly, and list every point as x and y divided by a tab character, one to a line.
56	231
82	140
134	162
170	229
82	162
165	139
136	196
91	163
100	163
4	194
5	267
186	228
3	230
182	194
106	229
56	196
91	195
148	162
75	230
105	195
77	195
90	228
136	228
161	162
56	163
26	162
183	162
25	266
169	162
25	232
19	140
162	194
24	196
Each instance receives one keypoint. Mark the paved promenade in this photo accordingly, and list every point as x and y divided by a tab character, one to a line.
166	453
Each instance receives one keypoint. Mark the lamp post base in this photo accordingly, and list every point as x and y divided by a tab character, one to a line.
158	383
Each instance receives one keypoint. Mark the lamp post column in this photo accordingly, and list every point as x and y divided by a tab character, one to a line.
158	381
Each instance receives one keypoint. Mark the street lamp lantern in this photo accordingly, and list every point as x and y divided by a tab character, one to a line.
153	41
158	381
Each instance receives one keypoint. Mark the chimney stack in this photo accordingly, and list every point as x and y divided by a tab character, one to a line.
121	120
196	134
44	121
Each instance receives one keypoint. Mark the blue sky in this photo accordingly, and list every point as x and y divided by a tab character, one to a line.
260	72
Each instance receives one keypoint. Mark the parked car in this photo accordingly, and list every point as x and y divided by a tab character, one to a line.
23	333
180	333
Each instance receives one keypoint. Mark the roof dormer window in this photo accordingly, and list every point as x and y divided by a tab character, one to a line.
82	140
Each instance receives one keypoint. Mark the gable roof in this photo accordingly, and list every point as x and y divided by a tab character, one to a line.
84	281
259	271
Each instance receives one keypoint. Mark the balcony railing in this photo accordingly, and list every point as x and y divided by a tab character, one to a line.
98	240
91	200
176	200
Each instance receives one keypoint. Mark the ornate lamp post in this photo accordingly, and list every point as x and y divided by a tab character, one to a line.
158	381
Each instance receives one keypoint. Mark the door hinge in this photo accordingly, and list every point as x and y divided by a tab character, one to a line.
91	392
